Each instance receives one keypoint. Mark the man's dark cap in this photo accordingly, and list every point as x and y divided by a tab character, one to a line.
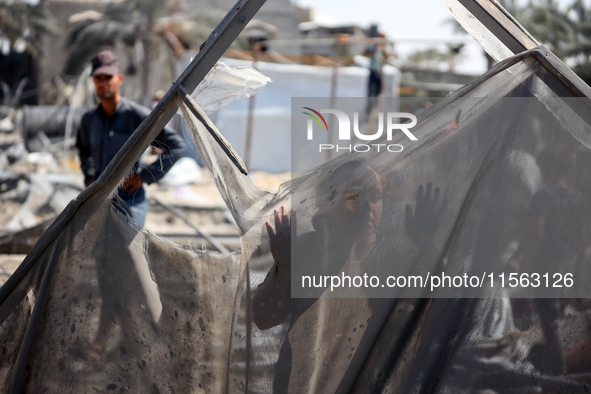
104	62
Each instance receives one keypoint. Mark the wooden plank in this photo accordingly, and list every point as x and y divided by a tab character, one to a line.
494	17
499	34
507	22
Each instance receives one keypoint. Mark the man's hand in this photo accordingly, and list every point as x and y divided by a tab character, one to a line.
422	226
280	237
132	183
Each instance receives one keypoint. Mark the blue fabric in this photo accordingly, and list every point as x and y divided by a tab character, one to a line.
139	209
134	207
375	83
100	137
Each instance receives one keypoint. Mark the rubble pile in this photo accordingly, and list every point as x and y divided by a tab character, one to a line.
37	182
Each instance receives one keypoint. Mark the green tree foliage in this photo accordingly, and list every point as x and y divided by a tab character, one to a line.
24	22
566	31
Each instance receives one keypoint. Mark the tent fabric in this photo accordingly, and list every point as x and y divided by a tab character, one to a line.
475	145
153	327
173	320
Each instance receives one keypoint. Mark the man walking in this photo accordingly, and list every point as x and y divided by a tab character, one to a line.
105	129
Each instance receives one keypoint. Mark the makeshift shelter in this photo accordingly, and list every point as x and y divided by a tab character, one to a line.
177	321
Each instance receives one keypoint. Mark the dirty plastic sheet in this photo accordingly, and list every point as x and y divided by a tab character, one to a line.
105	307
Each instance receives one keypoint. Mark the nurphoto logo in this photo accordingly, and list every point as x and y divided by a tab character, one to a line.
395	122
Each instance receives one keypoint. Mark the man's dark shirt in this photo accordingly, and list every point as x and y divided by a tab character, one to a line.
100	137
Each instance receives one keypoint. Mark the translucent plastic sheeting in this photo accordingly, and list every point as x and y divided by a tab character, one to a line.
502	158
106	307
404	220
224	84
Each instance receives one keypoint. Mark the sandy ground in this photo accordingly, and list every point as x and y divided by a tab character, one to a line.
9	263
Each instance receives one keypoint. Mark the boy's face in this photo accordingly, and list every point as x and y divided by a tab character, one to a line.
358	199
107	86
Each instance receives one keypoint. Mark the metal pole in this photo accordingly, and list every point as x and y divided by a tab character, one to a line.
333	89
251	106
